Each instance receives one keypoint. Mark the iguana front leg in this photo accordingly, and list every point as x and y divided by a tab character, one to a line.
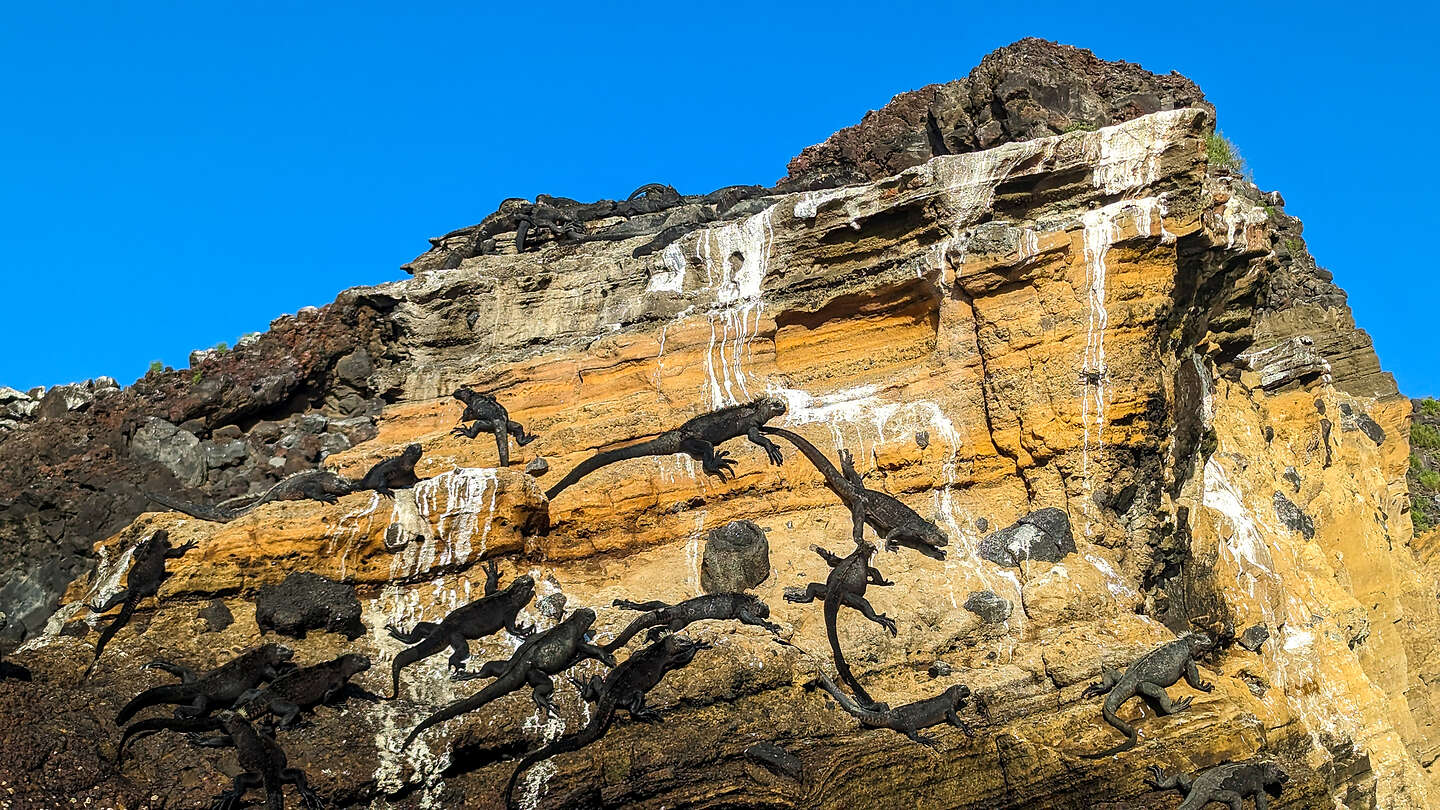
874	577
185	674
492	576
747	618
179	551
1163	780
1192	677
588	650
772	450
829	558
954	719
806	595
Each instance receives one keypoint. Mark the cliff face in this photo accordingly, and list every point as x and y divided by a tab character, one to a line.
1006	319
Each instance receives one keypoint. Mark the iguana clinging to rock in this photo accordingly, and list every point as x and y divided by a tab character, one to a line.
284	698
221	686
895	523
623	688
1147	678
660	617
846	585
314	485
487	615
147	573
696	438
263	763
538	658
1230	784
486	414
911	717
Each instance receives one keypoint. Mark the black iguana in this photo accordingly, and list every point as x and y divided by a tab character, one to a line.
624	687
219	687
696	438
895	523
536	660
911	717
1230	784
147	573
660	617
490	614
314	485
486	414
1147	678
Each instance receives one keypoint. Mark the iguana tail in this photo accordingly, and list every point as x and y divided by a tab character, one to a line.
642	622
209	513
851	707
1114	720
150	725
654	447
169	693
594	730
497	689
832	612
121	619
410	655
833	479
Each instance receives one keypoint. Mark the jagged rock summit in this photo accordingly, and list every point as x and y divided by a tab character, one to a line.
1031	306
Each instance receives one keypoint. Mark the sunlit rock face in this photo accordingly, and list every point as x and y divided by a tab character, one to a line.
1092	343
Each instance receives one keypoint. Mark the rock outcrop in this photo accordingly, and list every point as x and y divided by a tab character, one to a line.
1092	337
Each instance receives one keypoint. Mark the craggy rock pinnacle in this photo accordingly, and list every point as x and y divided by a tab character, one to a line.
736	558
1031	89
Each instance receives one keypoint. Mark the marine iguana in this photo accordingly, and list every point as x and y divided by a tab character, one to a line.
221	686
624	687
284	698
911	717
1147	678
490	416
478	619
312	485
697	438
846	585
660	617
1230	784
263	762
895	523
536	660
147	573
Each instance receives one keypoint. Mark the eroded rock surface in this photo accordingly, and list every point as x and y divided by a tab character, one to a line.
1028	322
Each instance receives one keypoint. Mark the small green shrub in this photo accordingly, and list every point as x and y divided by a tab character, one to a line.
1222	153
156	367
1417	464
1426	436
1080	126
1430	407
1294	246
197	377
221	347
1429	479
1419	518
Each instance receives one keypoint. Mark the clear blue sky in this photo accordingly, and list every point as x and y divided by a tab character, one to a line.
173	175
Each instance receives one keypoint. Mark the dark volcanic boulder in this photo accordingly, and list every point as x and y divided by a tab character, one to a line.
305	602
992	608
1042	536
736	558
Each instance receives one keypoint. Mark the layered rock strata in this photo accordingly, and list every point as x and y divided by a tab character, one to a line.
1094	330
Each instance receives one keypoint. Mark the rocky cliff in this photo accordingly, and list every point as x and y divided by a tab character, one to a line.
1030	289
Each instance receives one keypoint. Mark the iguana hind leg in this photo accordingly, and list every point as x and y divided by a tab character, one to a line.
861	604
810	593
541	690
714	462
461	649
296	777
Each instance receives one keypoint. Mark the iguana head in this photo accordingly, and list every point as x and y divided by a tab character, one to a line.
353	664
770	407
1200	641
755	607
957	695
276	654
522	588
1273	778
680	650
582	618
